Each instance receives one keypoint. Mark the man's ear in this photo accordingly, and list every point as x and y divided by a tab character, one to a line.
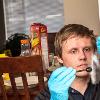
59	60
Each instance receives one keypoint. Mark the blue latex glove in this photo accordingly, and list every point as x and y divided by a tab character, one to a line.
59	83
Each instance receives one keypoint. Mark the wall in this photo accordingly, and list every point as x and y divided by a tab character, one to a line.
83	12
2	27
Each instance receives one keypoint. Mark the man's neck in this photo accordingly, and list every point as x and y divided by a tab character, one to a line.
80	84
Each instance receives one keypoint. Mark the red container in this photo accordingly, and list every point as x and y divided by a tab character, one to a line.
39	41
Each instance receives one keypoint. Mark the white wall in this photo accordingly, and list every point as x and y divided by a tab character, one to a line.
84	12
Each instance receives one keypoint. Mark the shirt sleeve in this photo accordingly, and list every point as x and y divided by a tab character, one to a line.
43	95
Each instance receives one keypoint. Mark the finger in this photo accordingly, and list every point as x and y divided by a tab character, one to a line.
69	82
57	72
68	77
64	74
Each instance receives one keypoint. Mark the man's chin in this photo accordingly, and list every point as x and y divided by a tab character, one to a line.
82	74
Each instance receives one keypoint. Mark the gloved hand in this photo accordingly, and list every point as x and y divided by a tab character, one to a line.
59	83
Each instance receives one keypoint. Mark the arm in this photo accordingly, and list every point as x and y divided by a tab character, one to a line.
43	95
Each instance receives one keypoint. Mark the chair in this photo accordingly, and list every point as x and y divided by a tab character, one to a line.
14	65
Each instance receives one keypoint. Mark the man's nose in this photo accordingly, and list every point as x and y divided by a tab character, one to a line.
82	55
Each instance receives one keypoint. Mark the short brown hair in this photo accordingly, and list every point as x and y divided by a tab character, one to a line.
69	30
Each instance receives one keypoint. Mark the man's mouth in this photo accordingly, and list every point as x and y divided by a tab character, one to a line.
82	66
88	69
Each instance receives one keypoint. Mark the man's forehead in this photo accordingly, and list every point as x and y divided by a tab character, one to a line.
75	37
77	42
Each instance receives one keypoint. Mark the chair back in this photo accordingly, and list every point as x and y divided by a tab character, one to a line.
22	65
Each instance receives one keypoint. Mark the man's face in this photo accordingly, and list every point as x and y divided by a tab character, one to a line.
77	52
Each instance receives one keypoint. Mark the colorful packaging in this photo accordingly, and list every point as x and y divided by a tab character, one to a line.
39	41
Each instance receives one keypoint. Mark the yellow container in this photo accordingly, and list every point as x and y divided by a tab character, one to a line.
5	75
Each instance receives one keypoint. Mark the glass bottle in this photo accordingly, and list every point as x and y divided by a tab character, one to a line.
25	47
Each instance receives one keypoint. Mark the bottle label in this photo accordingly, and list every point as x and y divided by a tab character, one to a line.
25	41
25	47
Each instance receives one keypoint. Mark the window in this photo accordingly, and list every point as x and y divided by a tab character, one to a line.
20	14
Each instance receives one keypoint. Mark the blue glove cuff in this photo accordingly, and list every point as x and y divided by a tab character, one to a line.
59	96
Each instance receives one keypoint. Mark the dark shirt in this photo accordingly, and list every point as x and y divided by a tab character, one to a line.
88	95
92	93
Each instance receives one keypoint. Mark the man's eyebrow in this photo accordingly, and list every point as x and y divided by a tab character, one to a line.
75	48
88	47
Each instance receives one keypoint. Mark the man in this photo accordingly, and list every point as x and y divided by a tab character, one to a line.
75	47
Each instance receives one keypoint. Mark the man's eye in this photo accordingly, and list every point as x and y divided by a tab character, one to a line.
87	49
73	51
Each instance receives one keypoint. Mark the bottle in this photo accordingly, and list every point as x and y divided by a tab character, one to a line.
25	47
